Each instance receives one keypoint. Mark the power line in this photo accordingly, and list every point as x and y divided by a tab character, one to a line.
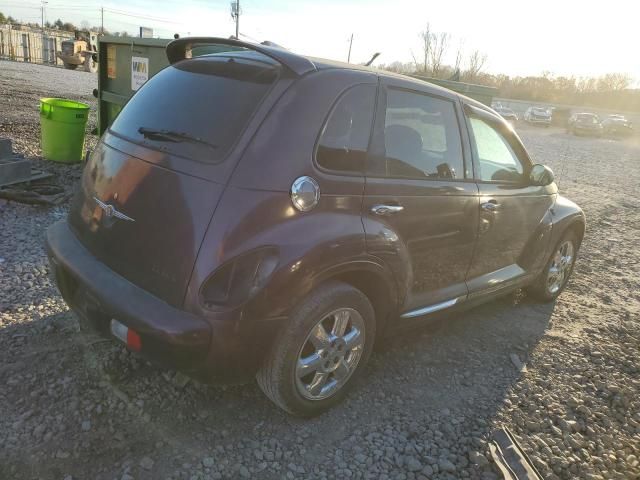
34	5
145	17
94	8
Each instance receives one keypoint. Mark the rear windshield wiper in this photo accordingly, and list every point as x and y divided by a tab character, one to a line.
171	136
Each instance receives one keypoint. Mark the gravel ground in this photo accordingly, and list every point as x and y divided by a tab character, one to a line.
77	407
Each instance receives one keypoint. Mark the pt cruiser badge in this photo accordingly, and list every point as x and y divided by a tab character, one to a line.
110	211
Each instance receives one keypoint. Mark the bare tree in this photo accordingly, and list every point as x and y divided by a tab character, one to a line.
398	67
613	82
415	61
439	44
426	38
457	67
476	62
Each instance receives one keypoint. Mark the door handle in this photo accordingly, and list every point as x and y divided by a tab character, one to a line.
490	206
386	209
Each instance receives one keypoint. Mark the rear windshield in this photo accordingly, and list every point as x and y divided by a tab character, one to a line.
197	108
587	118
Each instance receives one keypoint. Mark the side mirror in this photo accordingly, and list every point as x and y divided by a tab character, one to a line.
541	175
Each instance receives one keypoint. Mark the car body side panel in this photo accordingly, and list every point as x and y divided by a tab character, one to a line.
331	233
505	234
534	255
428	246
565	214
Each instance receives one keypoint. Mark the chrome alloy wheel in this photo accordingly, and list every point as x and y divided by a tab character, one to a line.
330	354
560	267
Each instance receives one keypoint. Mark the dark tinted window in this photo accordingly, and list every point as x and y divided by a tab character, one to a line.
497	159
345	136
421	138
209	99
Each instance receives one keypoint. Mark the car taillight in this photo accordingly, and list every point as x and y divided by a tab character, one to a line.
239	279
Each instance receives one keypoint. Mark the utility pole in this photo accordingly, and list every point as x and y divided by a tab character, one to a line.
102	20
44	48
237	19
350	44
235	14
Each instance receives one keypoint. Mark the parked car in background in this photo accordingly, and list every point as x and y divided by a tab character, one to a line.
228	230
506	113
616	125
538	116
584	124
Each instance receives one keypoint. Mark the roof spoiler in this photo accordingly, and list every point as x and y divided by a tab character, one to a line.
181	48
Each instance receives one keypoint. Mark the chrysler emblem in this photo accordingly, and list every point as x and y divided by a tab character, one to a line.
111	212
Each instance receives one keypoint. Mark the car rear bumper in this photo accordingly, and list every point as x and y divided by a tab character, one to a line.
587	130
619	129
210	349
545	121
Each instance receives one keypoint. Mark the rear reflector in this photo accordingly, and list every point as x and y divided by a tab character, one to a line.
133	340
126	335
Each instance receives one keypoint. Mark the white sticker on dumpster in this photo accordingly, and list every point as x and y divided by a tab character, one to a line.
139	72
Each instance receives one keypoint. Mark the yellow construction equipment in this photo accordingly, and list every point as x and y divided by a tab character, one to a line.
83	51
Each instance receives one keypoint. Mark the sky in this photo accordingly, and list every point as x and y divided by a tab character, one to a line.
563	37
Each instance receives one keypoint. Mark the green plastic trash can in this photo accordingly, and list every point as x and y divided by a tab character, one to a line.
62	126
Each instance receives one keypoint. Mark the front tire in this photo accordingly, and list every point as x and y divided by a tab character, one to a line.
90	65
555	275
321	351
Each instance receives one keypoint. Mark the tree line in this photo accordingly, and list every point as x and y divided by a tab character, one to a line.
613	90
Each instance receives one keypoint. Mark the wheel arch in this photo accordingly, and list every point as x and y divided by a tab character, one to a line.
567	216
578	227
372	279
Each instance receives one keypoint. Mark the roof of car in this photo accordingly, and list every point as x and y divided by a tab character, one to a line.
328	64
299	64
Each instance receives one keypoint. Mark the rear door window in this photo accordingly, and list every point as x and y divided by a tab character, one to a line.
197	108
421	138
345	136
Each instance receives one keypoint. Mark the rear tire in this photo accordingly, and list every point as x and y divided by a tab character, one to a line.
555	275
314	362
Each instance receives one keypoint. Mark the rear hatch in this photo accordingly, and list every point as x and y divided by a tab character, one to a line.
151	186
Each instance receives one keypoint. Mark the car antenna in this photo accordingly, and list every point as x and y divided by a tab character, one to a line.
375	55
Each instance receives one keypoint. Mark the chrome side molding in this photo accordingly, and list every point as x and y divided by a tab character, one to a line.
431	308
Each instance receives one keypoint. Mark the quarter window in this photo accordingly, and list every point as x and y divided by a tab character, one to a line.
421	138
345	137
496	158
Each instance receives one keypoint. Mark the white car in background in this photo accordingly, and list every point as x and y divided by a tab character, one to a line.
538	116
506	113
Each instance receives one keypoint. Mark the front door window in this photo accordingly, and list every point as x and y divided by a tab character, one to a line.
497	161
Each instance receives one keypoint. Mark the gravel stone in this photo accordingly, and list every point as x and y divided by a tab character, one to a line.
146	463
413	464
446	465
478	458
